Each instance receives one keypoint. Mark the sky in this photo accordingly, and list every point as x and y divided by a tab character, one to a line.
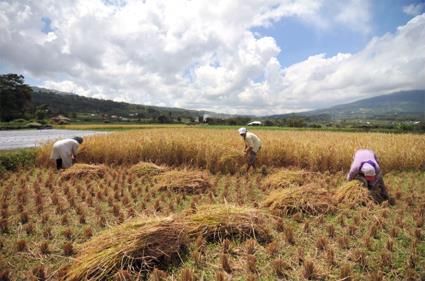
232	56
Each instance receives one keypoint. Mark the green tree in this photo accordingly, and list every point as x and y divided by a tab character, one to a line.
15	97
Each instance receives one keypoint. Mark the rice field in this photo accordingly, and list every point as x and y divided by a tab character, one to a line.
188	212
221	150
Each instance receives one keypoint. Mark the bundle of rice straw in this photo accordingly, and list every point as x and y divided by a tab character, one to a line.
143	243
230	162
286	178
217	222
137	246
308	199
183	181
353	193
146	169
84	170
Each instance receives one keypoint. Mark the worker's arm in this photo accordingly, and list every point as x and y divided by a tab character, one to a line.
354	170
74	151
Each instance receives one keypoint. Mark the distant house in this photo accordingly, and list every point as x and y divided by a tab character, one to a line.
60	119
255	123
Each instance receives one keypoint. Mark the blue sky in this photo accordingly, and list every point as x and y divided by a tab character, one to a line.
299	40
247	57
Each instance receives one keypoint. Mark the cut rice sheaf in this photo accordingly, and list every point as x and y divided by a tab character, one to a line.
183	181
147	169
145	243
308	199
286	178
353	193
80	170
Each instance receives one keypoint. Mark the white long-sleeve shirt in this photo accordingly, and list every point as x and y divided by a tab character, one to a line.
251	140
64	149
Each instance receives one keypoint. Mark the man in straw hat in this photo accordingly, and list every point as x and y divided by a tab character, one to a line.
252	146
65	152
365	168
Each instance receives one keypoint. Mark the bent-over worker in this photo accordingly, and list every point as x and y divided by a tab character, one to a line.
65	152
252	146
365	167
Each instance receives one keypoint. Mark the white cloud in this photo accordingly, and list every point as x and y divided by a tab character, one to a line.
414	9
202	54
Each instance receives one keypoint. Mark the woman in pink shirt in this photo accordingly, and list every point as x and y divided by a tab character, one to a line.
365	167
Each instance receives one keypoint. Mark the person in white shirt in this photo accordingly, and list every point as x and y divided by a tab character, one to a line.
252	146
65	152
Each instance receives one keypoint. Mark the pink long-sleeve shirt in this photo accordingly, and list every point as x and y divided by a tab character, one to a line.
362	155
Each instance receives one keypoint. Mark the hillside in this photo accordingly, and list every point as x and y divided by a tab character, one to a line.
405	104
67	103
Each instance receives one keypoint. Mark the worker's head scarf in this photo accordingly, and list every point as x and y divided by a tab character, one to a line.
78	139
368	171
242	131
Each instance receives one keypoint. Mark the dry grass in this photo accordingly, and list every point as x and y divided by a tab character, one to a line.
308	199
84	171
353	193
183	181
147	169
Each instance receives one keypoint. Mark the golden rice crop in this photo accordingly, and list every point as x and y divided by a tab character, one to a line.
182	181
80	170
209	148
309	199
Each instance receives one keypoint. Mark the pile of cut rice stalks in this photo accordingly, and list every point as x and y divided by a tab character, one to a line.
80	170
147	169
353	193
144	243
183	181
286	178
309	199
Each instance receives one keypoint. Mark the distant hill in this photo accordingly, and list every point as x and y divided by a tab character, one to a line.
67	103
392	106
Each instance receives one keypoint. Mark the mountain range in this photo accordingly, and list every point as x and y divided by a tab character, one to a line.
403	104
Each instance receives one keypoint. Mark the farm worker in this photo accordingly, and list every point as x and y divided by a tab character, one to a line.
65	152
365	167
252	146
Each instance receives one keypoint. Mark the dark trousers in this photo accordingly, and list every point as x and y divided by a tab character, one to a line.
59	163
377	191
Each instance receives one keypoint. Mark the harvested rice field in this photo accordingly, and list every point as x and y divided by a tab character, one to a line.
200	217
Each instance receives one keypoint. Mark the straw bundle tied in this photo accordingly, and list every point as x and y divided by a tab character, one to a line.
84	170
287	178
183	181
353	193
143	243
308	199
146	169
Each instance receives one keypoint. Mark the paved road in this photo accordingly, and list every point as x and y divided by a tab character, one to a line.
12	139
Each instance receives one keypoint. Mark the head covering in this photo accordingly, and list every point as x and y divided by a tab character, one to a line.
368	171
78	139
242	131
